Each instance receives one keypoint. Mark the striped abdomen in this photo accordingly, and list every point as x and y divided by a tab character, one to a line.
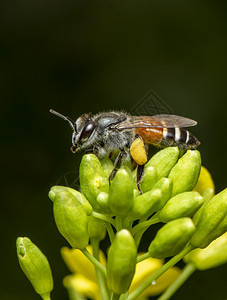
167	137
179	137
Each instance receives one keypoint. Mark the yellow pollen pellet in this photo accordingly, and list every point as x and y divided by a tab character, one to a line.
138	152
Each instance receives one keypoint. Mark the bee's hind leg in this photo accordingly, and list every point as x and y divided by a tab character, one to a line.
138	152
117	164
139	175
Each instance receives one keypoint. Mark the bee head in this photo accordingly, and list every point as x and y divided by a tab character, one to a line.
82	129
85	127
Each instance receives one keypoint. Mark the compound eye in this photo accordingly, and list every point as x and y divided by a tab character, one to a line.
87	131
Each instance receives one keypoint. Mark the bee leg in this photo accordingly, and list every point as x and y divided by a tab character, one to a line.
90	150
139	175
117	164
95	150
138	151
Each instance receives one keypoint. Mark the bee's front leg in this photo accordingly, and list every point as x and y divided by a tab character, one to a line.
117	164
97	150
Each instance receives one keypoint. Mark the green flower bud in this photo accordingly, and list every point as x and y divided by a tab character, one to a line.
212	222
80	197
136	192
70	217
181	205
164	161
121	262
121	192
146	204
186	172
96	228
166	186
103	202
207	196
93	180
149	179
107	166
171	238
35	266
212	256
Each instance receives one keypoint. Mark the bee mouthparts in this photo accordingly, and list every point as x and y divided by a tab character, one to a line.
74	149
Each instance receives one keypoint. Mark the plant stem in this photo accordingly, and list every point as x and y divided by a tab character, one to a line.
119	222
46	296
124	296
127	223
157	274
103	217
110	231
73	294
100	277
144	225
95	262
114	296
186	273
142	257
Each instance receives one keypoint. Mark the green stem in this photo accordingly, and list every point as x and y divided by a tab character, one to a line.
142	257
73	294
157	274
144	225
110	231
127	223
124	296
114	296
119	223
186	273
103	217
45	296
95	262
100	277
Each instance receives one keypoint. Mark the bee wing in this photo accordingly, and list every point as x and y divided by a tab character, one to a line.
157	121
171	121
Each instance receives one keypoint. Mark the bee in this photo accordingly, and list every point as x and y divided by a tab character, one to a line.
106	132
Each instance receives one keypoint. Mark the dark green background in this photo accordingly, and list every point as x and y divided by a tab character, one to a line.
80	56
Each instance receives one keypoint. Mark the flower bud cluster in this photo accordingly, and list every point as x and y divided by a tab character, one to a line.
170	195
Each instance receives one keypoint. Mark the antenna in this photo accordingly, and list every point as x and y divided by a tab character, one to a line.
71	122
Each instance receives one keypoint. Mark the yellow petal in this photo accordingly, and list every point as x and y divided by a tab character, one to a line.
205	182
78	263
82	285
161	284
210	257
144	270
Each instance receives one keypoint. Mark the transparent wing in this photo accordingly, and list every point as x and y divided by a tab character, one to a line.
157	121
173	121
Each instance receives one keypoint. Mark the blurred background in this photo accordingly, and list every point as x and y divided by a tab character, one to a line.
81	56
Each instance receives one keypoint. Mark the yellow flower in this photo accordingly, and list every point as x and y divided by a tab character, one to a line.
145	269
205	183
84	281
